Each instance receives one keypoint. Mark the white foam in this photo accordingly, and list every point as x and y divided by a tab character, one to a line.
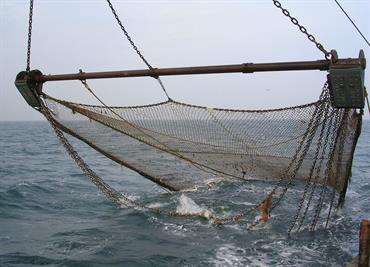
229	255
245	203
176	229
157	205
187	206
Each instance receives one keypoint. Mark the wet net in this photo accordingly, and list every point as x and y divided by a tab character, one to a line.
181	146
184	147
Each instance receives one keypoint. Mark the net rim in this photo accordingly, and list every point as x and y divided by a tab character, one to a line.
189	105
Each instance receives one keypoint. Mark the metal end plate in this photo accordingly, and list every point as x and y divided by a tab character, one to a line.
347	87
27	90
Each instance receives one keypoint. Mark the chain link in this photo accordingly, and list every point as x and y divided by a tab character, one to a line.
29	37
303	29
125	32
103	187
313	167
340	154
316	179
128	36
328	170
298	156
295	163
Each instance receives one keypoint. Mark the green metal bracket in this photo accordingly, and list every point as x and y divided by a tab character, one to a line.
347	88
29	88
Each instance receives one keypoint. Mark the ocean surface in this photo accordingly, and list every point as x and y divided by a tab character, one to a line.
52	215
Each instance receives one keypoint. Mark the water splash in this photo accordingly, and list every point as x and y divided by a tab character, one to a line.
187	206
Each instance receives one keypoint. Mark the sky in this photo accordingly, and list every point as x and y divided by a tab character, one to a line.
69	35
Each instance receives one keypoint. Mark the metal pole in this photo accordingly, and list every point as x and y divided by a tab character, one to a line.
321	65
243	68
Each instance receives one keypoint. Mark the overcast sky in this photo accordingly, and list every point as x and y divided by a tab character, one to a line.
73	35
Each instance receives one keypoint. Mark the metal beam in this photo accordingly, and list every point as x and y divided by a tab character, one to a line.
321	65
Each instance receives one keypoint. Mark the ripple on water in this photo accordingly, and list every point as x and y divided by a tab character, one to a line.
51	215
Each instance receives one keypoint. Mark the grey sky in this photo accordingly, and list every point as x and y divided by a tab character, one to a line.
69	35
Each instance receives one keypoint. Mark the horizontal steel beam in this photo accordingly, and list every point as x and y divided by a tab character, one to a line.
321	65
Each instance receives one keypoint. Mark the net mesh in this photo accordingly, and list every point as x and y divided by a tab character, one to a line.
181	146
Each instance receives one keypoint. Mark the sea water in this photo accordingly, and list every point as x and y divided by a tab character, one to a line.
52	215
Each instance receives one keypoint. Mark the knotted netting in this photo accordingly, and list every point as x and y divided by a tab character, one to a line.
181	146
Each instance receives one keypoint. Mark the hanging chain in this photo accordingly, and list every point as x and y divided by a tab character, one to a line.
313	167
315	182
128	36
344	117
328	170
29	37
112	194
300	153
303	29
125	32
295	163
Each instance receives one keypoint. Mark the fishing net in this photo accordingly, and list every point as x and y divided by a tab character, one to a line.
184	147
181	146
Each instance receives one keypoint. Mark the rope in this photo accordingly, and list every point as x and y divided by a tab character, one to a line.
367	100
354	25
